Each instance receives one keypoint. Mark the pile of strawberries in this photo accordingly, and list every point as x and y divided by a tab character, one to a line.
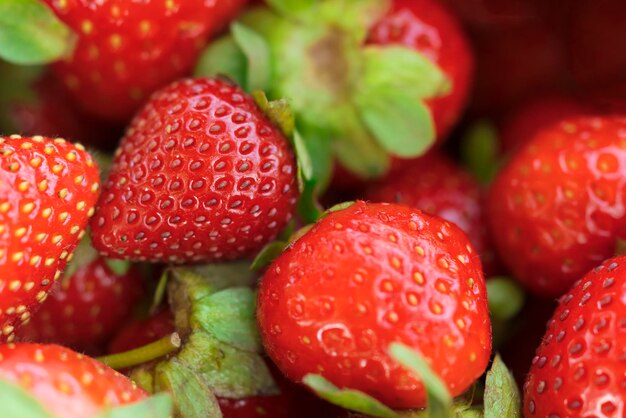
317	208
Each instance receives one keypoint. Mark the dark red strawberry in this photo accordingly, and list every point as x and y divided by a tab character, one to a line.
514	63
67	384
429	28
126	50
579	367
597	55
493	13
140	332
47	192
86	307
365	277
537	114
51	112
438	187
201	175
557	209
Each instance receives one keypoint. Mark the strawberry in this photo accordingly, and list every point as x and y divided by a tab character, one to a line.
87	306
67	384
51	112
515	63
579	366
47	192
556	209
140	332
365	277
201	175
438	187
429	28
536	114
126	50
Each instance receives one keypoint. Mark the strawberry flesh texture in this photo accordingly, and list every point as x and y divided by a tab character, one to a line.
201	175
556	210
365	277
86	309
47	192
579	366
140	332
438	187
128	49
429	28
66	383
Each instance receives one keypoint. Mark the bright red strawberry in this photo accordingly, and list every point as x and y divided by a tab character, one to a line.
47	192
557	209
201	175
537	114
429	28
438	187
140	332
87	307
66	383
365	277
52	113
579	367
128	49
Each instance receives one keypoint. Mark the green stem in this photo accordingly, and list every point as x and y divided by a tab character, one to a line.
149	352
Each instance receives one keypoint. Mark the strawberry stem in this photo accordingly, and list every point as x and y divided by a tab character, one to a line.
149	352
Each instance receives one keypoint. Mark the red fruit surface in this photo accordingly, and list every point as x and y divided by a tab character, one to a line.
84	310
365	277
66	383
557	209
47	192
52	113
579	367
437	186
597	53
140	332
537	114
493	13
128	49
514	63
429	28
201	175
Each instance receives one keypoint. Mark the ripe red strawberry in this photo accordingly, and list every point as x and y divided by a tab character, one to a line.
128	49
429	28
579	367
201	175
557	209
47	192
67	384
85	309
365	277
438	187
537	114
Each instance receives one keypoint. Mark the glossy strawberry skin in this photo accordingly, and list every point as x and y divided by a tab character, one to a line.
66	383
47	192
84	310
128	49
437	186
365	277
201	175
537	114
579	366
429	28
556	210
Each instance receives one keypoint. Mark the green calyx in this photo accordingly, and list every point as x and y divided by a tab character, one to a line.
17	402
221	352
355	103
